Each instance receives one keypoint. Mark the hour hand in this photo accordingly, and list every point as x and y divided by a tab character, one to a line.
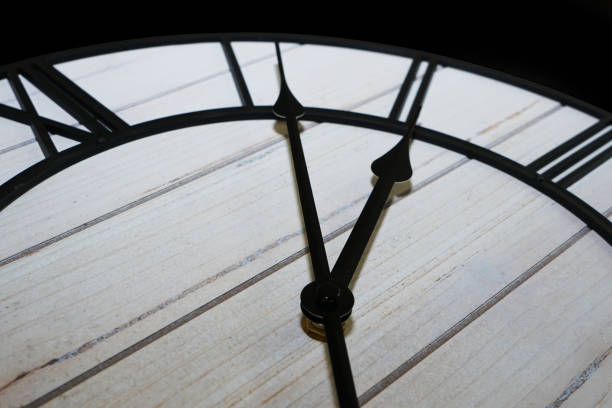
394	166
288	108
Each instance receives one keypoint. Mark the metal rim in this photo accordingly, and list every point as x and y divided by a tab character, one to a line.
109	131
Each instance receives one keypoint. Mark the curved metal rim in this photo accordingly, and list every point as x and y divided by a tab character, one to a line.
42	170
117	46
35	174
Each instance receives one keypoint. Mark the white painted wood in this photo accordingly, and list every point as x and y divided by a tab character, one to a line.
444	232
6	95
548	133
15	161
45	106
223	208
248	52
153	73
83	199
12	134
454	94
198	362
545	135
524	350
585	187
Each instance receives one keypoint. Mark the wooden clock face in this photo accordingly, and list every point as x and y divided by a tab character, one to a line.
148	261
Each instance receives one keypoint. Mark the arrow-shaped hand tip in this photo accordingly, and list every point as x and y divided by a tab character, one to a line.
287	105
395	164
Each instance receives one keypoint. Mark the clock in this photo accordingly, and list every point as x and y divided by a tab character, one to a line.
264	219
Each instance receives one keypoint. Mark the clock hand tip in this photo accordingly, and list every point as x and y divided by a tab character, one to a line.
286	104
395	164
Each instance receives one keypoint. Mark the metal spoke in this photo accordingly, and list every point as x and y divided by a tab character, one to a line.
52	126
586	168
241	86
92	105
40	131
574	158
65	101
405	89
568	145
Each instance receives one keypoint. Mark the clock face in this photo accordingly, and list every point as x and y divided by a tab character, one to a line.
156	230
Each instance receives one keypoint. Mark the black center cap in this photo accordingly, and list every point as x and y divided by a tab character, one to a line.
319	298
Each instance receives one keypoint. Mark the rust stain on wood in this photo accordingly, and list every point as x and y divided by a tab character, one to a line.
507	118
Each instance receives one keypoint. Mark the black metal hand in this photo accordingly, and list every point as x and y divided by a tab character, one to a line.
341	366
322	301
288	108
393	166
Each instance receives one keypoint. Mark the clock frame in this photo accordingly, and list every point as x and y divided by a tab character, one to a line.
107	131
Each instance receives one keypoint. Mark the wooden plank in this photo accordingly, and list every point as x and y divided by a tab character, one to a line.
538	135
7	96
478	189
251	51
262	355
563	124
521	351
453	95
596	392
15	161
45	106
584	188
13	133
90	189
155	72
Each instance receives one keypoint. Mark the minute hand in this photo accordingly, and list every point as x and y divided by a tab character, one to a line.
288	108
393	166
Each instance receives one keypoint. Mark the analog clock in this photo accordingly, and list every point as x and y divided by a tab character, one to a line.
254	219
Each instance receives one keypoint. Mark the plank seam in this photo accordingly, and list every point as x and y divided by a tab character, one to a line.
17	146
579	380
135	203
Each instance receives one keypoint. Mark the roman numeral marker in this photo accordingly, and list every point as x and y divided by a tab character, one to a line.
577	156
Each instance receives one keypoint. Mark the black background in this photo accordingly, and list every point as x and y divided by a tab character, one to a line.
563	45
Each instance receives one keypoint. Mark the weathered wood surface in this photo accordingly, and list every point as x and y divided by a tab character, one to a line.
116	248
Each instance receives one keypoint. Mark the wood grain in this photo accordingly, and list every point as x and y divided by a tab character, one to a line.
263	354
523	351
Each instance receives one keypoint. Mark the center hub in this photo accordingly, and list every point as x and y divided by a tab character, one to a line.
318	298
